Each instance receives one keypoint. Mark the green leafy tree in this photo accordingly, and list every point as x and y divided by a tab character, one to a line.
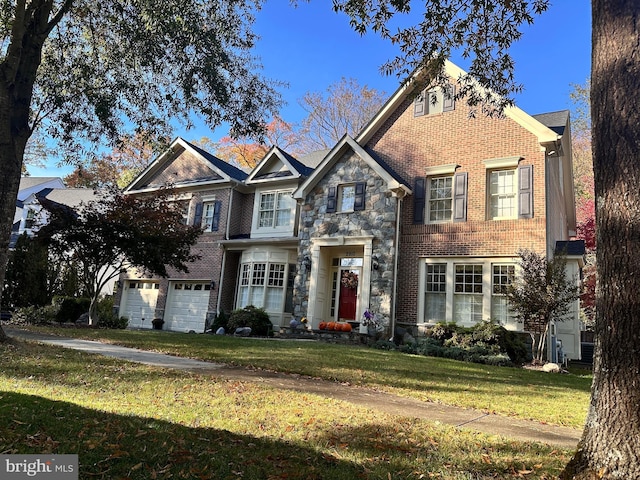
483	31
84	71
541	293
27	282
116	233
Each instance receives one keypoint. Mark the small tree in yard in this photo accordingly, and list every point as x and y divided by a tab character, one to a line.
541	293
119	232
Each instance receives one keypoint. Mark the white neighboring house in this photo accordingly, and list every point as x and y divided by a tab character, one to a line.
29	186
33	216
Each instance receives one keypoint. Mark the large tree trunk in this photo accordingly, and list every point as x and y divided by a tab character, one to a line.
9	183
29	30
609	445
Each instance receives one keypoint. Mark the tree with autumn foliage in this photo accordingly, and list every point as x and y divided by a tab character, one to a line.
344	108
116	233
483	31
132	154
540	294
245	152
585	201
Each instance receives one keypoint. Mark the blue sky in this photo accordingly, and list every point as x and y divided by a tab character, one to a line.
311	47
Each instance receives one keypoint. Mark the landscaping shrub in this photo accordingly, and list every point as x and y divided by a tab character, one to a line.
516	346
35	315
70	308
486	342
442	331
220	320
255	318
106	316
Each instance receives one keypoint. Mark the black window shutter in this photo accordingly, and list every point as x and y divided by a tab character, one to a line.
197	220
215	221
332	199
358	203
419	105
525	191
449	99
419	200
460	197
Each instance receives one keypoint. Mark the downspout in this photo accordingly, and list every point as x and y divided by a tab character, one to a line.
395	266
224	250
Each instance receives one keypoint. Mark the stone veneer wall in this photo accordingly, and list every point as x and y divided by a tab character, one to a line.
378	220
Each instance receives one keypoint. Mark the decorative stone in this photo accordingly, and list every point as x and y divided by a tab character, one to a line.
551	368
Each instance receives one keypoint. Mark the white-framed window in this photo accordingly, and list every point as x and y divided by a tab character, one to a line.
501	277
275	209
503	189
346	198
509	188
183	207
467	294
30	221
441	196
262	285
435	293
466	291
440	199
210	216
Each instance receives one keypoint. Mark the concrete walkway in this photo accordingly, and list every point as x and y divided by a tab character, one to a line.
459	417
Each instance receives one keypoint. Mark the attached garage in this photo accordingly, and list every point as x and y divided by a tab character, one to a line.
138	302
187	306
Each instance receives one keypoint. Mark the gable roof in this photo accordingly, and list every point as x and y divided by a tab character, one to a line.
406	90
31	185
556	121
264	170
212	170
71	197
393	180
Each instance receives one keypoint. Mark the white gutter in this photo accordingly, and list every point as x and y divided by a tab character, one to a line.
224	250
395	269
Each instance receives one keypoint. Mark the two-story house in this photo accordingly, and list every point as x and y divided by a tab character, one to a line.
418	218
248	249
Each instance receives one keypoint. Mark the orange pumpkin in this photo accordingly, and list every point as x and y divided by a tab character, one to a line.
331	326
322	325
346	327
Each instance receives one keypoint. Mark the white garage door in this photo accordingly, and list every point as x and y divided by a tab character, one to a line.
187	306
138	302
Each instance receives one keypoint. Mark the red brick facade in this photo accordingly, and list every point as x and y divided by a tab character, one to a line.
411	144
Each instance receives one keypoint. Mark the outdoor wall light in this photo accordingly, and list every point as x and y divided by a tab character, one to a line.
213	284
375	264
306	261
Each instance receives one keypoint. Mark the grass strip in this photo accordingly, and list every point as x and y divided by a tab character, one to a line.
129	421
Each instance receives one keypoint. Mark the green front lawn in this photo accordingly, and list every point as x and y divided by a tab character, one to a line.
527	394
130	421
